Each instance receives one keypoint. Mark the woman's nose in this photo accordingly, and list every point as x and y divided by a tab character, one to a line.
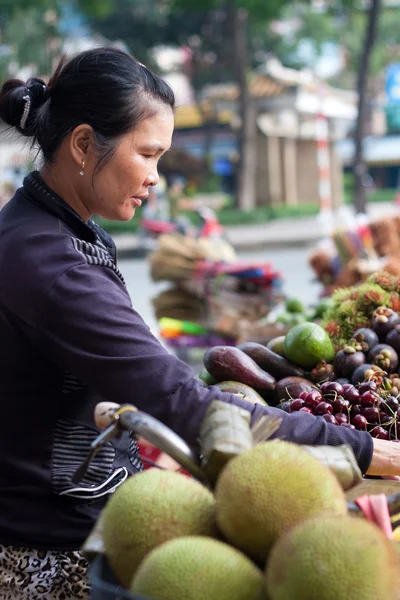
153	178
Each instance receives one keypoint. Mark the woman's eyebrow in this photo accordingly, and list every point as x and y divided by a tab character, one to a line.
155	148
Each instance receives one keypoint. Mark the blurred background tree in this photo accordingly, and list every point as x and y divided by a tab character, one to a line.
35	45
225	41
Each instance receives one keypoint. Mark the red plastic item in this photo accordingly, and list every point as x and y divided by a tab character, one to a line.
153	453
157	226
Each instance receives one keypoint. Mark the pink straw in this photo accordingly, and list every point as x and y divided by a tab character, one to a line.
375	509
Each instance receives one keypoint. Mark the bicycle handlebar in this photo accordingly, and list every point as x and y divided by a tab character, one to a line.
114	418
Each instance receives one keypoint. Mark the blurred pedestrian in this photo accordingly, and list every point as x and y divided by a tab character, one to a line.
177	198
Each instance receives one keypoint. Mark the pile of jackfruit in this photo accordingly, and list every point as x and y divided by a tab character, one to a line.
275	527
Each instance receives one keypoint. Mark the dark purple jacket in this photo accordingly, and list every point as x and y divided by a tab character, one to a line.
70	336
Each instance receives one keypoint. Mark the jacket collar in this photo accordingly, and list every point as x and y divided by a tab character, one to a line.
49	201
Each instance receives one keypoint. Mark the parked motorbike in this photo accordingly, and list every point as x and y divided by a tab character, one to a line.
150	228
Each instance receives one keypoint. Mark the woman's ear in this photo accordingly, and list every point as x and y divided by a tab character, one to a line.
80	143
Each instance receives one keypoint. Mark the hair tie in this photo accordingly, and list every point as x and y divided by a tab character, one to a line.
27	100
27	105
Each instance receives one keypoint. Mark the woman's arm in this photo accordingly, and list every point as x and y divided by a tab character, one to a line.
90	329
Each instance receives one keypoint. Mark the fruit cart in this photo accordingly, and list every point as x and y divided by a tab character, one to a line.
235	298
357	250
113	419
211	293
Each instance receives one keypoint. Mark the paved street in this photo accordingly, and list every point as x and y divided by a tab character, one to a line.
291	262
281	233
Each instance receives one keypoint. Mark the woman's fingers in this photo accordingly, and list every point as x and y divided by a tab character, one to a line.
385	459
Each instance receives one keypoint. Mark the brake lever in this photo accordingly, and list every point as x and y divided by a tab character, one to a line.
161	436
105	436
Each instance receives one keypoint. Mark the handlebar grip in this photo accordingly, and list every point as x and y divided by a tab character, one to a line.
104	413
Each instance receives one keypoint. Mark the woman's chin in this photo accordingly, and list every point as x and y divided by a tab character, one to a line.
127	215
122	215
127	212
124	212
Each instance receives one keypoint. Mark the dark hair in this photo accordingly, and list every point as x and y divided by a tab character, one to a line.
104	87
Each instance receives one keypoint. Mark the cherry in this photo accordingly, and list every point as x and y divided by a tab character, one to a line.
331	388
379	432
323	387
351	394
359	422
390	405
355	410
323	408
369	399
312	403
306	409
303	395
348	425
313	398
285	405
341	418
329	418
371	413
367	386
384	418
346	387
296	405
340	405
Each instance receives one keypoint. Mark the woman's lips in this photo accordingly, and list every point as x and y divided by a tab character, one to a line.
137	201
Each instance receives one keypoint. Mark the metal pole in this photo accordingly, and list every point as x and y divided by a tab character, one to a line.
323	162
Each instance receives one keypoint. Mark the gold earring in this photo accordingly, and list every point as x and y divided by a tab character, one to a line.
82	172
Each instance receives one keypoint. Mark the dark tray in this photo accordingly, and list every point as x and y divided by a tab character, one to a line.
104	586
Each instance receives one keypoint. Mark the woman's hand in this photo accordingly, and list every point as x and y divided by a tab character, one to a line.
385	459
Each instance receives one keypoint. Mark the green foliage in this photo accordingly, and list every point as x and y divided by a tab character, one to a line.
96	8
227	216
387	42
33	38
257	9
373	195
141	25
10	7
203	26
90	7
138	23
344	25
262	214
3	68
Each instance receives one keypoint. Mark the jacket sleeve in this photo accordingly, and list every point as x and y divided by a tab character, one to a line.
90	329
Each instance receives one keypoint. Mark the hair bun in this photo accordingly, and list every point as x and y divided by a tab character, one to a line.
19	103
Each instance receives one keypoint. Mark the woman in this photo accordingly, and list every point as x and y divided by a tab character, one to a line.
69	333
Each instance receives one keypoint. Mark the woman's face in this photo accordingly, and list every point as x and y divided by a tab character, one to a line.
124	181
